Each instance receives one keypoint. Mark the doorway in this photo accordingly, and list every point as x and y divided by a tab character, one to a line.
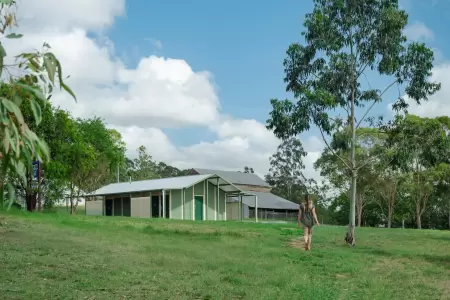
198	208
155	206
108	207
167	206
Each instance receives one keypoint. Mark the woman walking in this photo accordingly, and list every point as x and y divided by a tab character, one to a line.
307	217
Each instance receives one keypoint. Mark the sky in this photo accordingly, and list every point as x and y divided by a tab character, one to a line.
192	80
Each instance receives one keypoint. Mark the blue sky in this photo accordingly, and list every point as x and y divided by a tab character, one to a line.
242	43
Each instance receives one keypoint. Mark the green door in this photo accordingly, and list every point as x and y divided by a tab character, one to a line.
198	208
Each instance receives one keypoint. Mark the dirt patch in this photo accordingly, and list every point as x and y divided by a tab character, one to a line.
390	263
342	276
298	243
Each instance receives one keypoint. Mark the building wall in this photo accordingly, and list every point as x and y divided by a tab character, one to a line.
140	207
221	206
176	204
181	203
211	196
188	203
233	211
94	208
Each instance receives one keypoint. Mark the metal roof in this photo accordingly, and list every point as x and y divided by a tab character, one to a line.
171	183
266	200
235	177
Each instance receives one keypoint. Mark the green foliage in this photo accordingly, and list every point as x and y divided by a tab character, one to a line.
20	144
345	40
286	171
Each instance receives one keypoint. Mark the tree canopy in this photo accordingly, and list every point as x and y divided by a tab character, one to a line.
344	42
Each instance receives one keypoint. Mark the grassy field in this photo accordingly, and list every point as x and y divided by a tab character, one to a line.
56	256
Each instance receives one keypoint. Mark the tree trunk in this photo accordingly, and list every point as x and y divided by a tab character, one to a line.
449	213
419	221
359	208
389	219
350	237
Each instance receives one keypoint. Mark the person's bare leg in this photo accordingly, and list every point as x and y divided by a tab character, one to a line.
305	236
309	237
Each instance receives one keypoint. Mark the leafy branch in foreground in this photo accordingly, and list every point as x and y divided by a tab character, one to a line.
33	79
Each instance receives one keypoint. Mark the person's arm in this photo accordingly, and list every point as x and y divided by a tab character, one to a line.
299	215
315	216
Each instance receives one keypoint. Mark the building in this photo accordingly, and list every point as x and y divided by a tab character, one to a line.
269	206
194	197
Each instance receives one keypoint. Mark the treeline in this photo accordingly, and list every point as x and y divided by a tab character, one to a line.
404	180
84	155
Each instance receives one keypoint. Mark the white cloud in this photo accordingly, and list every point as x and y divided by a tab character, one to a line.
160	92
156	43
418	32
439	103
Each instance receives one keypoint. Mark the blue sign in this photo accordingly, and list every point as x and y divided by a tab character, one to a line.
35	170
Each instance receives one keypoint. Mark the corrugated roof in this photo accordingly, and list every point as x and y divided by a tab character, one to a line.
171	183
235	177
267	200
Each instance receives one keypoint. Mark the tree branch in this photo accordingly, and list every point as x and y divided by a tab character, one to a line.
332	151
375	102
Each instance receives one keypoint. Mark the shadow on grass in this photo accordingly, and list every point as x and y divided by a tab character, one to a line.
438	260
444	238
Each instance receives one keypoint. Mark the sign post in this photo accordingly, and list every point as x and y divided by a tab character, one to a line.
37	182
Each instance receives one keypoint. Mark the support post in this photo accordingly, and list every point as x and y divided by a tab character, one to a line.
164	203
240	207
182	203
217	198
256	209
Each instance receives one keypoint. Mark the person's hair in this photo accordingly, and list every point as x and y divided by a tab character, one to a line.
308	203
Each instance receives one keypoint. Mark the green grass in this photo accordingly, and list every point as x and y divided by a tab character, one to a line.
56	256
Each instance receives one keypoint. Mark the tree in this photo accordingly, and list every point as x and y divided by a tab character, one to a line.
286	170
423	152
344	41
369	142
248	170
144	167
40	72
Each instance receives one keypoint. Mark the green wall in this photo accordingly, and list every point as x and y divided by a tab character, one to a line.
198	188
177	208
210	202
221	206
188	203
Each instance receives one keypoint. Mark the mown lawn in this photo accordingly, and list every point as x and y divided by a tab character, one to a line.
56	256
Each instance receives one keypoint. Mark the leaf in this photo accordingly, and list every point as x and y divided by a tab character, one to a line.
14	36
12	107
61	82
11	195
7	2
67	89
2	56
2	51
43	148
20	170
34	90
6	141
37	112
50	67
